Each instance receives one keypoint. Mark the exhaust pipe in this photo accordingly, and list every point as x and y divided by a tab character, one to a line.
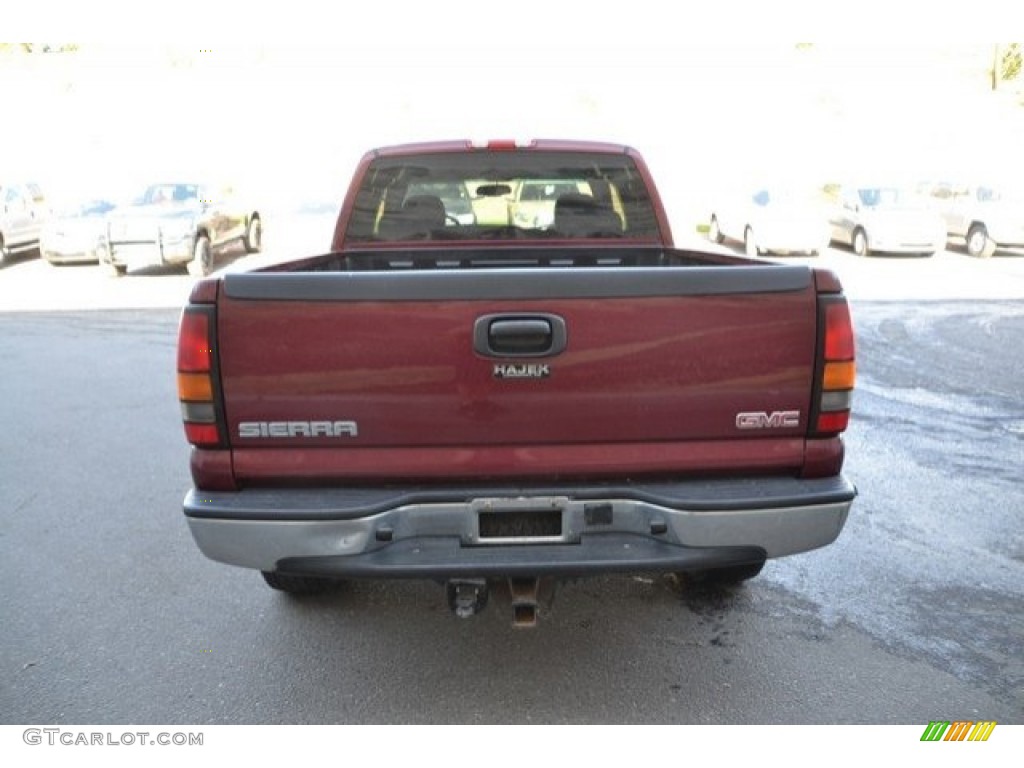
467	597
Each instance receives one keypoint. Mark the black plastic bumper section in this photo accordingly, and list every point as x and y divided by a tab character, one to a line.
444	558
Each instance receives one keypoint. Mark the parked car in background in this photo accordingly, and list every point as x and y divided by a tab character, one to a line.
983	217
179	223
888	219
773	220
454	195
23	210
75	232
533	206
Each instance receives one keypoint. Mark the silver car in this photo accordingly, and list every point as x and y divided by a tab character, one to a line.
23	211
75	233
887	219
179	223
983	217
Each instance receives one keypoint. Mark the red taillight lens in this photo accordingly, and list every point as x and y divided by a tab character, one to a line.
194	342
202	435
838	332
839	370
196	387
833	422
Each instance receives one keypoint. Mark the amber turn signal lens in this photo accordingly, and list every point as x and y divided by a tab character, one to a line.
195	387
840	375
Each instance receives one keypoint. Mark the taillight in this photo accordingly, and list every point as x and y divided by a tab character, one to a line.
196	379
838	370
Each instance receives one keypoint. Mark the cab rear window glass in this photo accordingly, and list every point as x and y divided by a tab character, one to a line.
506	195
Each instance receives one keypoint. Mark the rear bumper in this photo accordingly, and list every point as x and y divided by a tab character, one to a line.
80	256
437	532
884	242
149	253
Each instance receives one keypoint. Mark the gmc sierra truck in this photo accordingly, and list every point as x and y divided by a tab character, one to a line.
491	400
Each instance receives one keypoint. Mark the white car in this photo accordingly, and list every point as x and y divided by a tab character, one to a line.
75	232
23	211
773	220
983	217
534	203
885	219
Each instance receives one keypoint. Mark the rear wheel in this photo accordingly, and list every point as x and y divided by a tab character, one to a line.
202	258
297	585
979	244
253	240
860	242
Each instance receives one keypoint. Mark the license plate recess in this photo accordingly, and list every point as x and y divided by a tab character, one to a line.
520	521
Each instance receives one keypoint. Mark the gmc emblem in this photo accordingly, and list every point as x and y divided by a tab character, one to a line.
773	420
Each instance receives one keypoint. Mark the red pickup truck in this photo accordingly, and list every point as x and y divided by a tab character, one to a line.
458	393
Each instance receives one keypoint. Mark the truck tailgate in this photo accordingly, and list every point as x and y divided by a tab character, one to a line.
527	372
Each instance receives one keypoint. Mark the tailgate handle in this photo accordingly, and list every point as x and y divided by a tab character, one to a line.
508	335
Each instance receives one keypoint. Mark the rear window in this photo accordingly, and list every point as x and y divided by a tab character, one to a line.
507	195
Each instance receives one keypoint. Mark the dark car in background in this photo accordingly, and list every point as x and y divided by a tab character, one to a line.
75	233
183	223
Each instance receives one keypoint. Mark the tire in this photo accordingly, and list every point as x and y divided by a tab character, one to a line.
297	585
979	244
750	244
202	258
730	576
860	242
253	238
715	231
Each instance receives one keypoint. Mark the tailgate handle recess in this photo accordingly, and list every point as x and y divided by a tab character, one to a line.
508	335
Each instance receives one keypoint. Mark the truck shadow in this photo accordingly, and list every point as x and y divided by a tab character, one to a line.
598	643
348	597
